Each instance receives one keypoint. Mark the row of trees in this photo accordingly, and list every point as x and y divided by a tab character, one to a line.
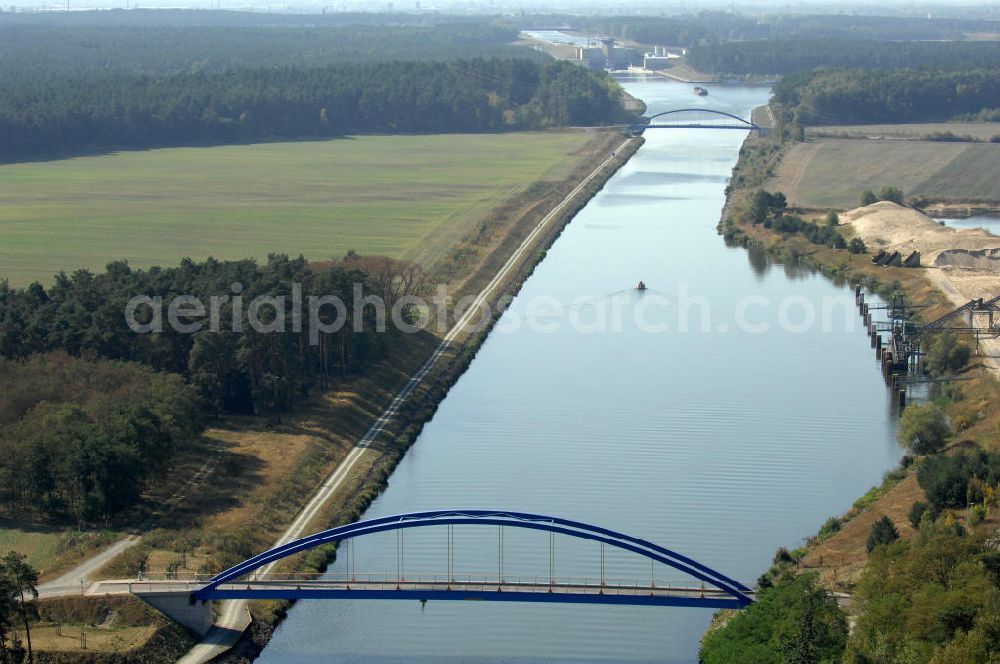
768	209
38	50
732	39
80	439
788	56
844	96
885	193
238	368
705	25
673	31
822	234
136	17
56	114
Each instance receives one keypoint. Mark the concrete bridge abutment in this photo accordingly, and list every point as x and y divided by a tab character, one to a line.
182	608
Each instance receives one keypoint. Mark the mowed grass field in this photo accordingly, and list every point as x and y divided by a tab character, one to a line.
913	131
832	173
402	196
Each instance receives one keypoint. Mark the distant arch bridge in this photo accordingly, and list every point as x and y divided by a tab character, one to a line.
245	581
729	121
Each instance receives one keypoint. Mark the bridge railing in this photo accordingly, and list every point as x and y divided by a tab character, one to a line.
491	579
443	581
171	586
185	578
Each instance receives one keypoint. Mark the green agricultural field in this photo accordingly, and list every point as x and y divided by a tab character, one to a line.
832	173
403	196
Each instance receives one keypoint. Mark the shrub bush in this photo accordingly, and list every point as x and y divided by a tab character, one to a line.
916	512
923	429
883	532
831	526
946	355
945	479
892	194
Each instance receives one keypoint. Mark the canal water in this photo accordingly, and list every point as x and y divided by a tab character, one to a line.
737	429
991	224
557	37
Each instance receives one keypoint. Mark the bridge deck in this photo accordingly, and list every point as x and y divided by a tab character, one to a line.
693	125
440	588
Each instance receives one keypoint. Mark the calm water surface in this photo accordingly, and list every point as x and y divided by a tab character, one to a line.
722	444
557	37
992	224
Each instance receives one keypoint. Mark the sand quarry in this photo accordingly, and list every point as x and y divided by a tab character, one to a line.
963	263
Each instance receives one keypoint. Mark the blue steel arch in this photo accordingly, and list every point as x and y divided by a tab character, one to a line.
523	520
749	124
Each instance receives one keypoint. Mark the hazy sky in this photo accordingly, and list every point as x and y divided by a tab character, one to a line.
538	5
950	7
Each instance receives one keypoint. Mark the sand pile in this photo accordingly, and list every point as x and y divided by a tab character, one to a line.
885	225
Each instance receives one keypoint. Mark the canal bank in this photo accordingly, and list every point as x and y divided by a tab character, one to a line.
704	440
838	553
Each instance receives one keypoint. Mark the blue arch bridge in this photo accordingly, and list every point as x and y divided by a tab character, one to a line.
694	118
252	580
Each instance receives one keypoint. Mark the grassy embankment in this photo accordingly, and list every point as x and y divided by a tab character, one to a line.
260	476
831	174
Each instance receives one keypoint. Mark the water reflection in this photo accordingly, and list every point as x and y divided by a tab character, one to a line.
759	261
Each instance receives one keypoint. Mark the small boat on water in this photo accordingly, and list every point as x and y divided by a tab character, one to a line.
700	91
641	286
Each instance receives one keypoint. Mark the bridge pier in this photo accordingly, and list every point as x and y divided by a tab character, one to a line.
182	607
